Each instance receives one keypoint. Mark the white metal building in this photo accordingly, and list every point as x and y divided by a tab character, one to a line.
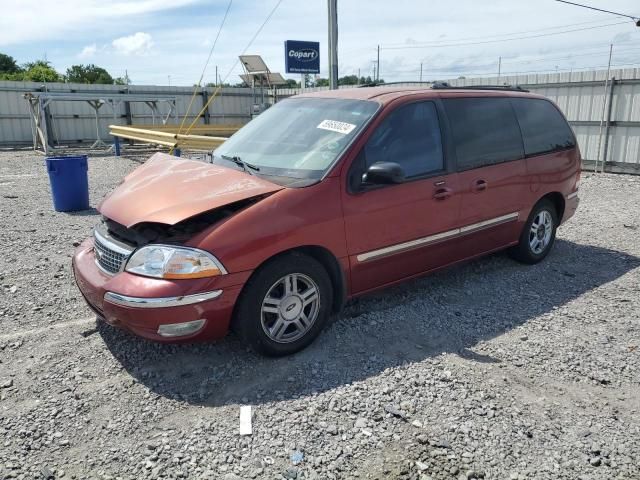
607	117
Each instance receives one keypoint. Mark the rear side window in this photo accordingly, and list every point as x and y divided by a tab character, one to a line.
544	129
485	131
409	136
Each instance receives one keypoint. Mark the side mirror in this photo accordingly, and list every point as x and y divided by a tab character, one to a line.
381	173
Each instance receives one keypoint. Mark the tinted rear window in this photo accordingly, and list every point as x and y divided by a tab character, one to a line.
544	129
485	131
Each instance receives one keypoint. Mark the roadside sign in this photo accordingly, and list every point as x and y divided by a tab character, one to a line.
301	57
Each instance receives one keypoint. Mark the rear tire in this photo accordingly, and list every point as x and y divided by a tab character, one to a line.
538	235
284	305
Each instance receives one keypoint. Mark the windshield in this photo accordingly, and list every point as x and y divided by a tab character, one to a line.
296	139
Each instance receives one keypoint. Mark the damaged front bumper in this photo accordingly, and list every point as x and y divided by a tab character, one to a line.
158	309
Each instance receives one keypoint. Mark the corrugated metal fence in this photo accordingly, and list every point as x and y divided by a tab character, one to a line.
581	95
74	122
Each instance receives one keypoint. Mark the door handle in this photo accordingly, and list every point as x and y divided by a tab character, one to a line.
480	185
442	193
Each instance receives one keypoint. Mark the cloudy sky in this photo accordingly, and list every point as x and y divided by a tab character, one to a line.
156	39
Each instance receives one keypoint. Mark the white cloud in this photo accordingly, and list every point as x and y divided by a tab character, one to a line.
423	29
139	43
73	18
88	51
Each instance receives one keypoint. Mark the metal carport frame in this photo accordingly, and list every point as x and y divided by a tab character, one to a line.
38	102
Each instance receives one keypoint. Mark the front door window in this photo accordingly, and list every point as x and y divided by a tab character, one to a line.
409	136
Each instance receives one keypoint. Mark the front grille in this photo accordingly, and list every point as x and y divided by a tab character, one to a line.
110	257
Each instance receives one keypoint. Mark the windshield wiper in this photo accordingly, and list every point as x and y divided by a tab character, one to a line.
238	161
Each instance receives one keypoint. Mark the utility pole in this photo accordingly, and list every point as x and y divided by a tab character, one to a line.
333	43
378	66
169	78
358	82
420	72
499	68
216	75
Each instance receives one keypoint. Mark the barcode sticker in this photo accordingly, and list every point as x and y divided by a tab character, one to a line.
336	126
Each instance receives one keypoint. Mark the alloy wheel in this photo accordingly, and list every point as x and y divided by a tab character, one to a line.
290	308
540	232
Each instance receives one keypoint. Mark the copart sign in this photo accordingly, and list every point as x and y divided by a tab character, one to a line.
301	57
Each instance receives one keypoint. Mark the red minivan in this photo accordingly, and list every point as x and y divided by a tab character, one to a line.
324	197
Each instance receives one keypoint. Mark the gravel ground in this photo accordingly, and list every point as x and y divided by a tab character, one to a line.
489	370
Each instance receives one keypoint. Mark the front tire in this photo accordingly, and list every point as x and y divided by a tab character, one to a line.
284	305
538	234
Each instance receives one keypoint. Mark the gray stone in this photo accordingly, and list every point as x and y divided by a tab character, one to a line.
291	473
360	423
332	429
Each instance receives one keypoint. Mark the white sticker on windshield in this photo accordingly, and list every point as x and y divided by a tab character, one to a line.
335	126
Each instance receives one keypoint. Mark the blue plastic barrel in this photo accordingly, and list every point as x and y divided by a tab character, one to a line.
69	182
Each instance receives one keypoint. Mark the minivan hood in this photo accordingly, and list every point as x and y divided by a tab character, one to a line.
167	189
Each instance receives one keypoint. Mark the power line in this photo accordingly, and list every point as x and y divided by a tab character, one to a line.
593	67
598	52
215	93
266	20
501	40
443	71
498	34
636	19
206	64
622	53
570	57
224	19
489	64
373	49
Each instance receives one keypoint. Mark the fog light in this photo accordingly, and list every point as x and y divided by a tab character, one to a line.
180	329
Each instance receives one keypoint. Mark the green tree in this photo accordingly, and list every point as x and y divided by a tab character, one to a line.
370	81
88	74
126	80
348	80
8	64
223	85
40	71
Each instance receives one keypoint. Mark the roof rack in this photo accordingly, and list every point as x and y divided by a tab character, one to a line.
383	84
439	85
508	88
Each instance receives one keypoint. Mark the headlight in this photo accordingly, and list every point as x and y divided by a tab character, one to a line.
163	261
